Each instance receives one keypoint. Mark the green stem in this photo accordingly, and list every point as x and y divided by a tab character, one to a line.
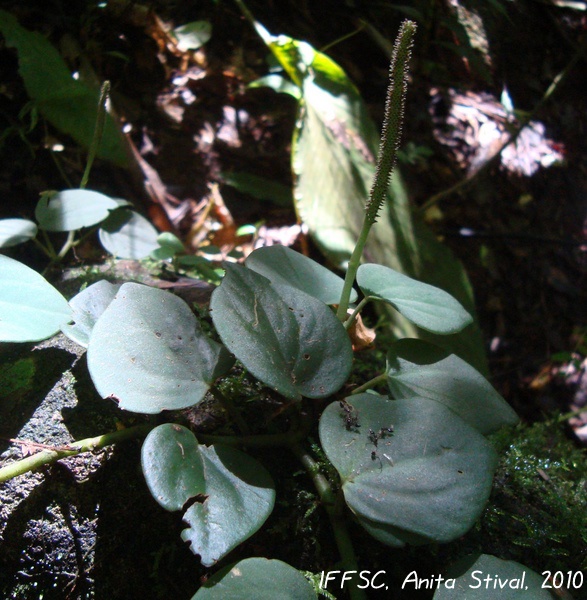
386	159
332	502
349	322
98	131
50	456
370	384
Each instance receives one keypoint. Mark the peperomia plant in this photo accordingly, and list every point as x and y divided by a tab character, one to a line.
413	466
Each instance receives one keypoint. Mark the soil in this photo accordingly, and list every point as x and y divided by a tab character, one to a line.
87	526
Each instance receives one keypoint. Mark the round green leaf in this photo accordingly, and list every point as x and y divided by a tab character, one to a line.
87	307
134	239
427	306
148	351
71	210
427	481
258	578
288	339
31	309
230	494
508	580
16	231
282	265
417	368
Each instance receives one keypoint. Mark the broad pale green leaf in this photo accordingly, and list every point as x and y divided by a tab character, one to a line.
192	36
258	578
286	338
148	351
417	368
134	239
282	265
427	306
71	210
87	307
69	104
509	580
230	494
31	309
427	481
16	231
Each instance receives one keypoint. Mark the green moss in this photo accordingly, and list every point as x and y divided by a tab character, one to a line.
537	513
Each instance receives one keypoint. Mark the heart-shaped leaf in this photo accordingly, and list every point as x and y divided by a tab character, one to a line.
258	578
16	231
282	265
31	309
228	495
135	238
509	580
71	210
427	306
148	351
87	307
426	480
417	368
288	339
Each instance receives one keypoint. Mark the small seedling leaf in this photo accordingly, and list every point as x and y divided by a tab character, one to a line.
87	307
16	231
259	578
426	481
71	210
282	265
228	494
417	368
192	36
427	306
134	239
286	338
518	582
31	309
148	351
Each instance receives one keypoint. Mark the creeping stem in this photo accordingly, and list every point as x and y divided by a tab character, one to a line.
52	455
390	139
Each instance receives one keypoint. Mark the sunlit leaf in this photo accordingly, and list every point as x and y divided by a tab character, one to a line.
419	369
16	231
412	471
31	309
134	239
192	36
258	578
286	266
87	307
148	351
230	494
288	339
508	580
427	306
71	210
